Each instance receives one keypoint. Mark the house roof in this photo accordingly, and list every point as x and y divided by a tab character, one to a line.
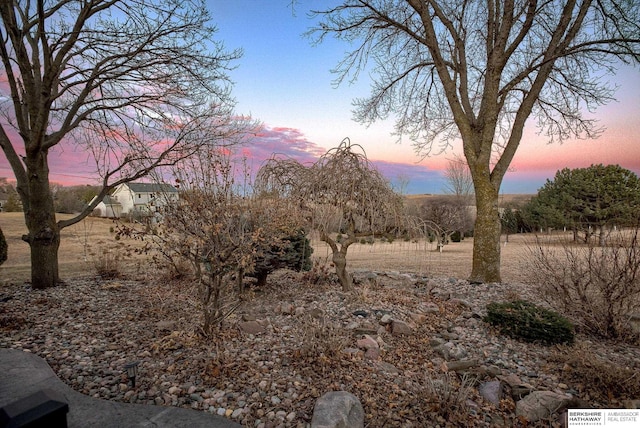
152	188
108	200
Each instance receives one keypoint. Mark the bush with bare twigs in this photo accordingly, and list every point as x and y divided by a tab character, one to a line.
108	265
598	287
447	394
603	379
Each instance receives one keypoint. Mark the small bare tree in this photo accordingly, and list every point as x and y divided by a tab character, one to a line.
210	228
342	193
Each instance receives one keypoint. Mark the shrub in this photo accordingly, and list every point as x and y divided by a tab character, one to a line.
320	273
524	320
598	287
4	248
448	397
293	252
604	379
456	236
108	266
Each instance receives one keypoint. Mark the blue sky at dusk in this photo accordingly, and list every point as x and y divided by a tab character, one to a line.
285	82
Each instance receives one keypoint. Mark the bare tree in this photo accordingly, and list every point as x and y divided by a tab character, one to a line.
477	70
135	84
459	181
343	193
449	215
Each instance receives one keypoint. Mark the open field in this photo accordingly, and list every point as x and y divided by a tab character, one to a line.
84	243
81	245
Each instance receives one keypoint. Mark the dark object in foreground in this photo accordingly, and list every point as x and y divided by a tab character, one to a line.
45	408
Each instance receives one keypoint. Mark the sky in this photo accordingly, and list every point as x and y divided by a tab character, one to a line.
285	81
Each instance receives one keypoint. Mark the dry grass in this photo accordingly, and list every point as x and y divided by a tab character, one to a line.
85	242
423	257
82	246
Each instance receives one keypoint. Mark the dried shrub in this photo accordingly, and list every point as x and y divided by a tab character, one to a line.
599	378
447	394
320	273
321	341
524	320
108	265
598	287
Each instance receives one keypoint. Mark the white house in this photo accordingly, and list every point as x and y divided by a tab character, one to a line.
108	207
137	197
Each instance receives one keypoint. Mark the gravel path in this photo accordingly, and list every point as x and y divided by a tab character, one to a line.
307	340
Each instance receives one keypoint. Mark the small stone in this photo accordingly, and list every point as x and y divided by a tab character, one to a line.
174	390
386	319
291	416
228	412
388	368
367	342
399	328
286	309
418	318
316	313
236	413
436	341
491	391
372	354
165	325
429	308
460	366
252	327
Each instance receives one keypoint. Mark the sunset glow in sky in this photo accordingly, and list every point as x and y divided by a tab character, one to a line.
285	82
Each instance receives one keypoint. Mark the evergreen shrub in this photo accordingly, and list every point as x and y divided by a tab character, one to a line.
524	320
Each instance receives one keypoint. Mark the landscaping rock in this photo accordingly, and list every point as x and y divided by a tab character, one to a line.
367	342
461	366
491	391
338	409
252	327
540	405
399	328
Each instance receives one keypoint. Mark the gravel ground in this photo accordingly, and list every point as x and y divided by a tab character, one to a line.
307	340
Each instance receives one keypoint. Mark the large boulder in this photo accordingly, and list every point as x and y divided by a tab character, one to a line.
541	404
338	409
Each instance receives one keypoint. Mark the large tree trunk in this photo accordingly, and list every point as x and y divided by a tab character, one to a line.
486	234
40	218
